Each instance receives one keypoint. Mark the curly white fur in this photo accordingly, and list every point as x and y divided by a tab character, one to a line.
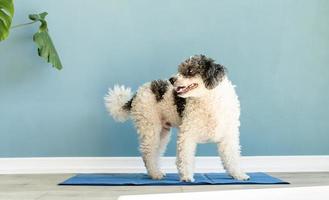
211	114
115	100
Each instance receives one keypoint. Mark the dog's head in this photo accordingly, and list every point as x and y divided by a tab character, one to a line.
196	76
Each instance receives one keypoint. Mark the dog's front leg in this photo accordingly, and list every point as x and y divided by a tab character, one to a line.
229	150
185	157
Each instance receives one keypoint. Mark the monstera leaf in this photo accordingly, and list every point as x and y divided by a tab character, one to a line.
46	48
6	16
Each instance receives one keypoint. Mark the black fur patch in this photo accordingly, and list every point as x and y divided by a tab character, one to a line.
159	88
211	72
180	103
128	105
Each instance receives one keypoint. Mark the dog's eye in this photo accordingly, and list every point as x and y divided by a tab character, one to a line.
189	72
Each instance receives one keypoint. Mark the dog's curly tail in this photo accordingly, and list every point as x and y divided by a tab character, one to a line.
118	102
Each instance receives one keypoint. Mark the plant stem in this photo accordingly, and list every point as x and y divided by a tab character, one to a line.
20	25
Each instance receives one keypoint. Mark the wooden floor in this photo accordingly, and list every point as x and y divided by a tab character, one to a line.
44	187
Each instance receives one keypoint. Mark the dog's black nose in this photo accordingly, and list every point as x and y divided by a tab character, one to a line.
172	80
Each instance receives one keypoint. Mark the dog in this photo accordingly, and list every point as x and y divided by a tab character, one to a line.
200	101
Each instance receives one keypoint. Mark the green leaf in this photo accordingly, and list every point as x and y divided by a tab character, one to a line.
6	17
46	48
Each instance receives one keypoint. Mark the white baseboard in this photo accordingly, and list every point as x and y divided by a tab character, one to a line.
135	164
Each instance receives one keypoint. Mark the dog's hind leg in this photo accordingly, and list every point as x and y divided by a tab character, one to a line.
150	140
164	138
185	157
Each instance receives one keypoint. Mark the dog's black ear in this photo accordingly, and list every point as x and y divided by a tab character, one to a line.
212	74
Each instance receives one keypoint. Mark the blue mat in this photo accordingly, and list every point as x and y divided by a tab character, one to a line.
170	179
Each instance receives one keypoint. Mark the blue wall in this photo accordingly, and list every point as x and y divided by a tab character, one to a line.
276	51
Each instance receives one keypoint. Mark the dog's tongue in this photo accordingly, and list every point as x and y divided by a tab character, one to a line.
180	89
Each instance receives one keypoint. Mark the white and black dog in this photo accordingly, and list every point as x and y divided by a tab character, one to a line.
200	101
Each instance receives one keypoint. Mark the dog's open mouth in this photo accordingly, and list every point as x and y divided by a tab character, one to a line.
185	89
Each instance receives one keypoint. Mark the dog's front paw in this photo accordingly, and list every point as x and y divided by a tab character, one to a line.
187	179
241	176
158	175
